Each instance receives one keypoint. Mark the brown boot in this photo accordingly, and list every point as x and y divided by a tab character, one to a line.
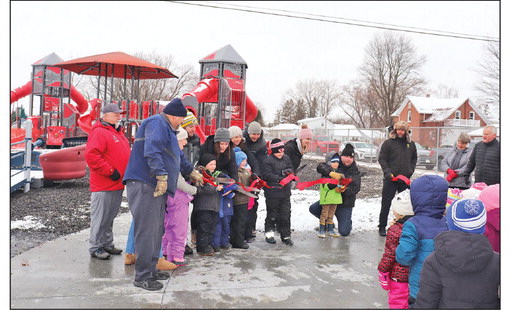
130	259
163	264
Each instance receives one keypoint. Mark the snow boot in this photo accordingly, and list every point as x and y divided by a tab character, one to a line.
331	230
270	237
322	231
130	259
163	264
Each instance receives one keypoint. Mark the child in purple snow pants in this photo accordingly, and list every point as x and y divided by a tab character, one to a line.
176	226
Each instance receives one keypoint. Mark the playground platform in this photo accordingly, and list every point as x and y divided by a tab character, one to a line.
314	273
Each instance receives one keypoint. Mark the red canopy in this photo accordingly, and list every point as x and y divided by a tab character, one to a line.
116	64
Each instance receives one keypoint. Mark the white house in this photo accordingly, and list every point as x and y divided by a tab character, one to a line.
319	125
281	131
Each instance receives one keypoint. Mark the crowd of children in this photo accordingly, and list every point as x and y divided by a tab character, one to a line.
442	250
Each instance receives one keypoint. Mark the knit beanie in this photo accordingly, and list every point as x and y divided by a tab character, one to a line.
222	135
190	119
254	127
235	131
335	158
305	133
348	150
467	215
205	159
275	145
490	197
175	108
240	155
182	134
401	204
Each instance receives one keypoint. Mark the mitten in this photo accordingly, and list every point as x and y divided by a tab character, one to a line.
451	175
161	185
384	278
115	175
336	175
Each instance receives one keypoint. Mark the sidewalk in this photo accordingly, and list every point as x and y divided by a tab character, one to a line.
314	273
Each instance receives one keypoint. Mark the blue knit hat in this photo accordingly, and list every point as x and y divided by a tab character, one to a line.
467	215
175	108
240	155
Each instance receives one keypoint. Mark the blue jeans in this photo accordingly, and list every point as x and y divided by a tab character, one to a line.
343	216
130	244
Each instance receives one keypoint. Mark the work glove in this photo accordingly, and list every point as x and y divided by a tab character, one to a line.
336	175
161	185
384	278
115	175
196	177
451	175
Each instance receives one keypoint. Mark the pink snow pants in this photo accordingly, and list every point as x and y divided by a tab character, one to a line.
176	226
398	295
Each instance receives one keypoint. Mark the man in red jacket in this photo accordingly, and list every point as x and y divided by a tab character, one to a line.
107	155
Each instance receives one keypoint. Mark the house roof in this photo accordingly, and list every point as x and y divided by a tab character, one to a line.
438	108
285	127
304	120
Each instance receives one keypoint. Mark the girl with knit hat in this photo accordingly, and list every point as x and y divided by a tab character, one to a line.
393	276
297	147
463	271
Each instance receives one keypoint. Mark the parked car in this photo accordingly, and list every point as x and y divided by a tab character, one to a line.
364	151
324	144
441	152
426	158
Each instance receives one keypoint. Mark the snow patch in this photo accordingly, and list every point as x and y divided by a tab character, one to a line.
28	222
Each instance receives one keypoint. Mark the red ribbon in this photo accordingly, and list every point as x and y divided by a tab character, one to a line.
401	177
343	182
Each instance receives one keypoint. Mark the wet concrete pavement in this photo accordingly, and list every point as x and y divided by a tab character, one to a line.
314	273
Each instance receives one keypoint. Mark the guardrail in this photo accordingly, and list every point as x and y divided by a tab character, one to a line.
27	154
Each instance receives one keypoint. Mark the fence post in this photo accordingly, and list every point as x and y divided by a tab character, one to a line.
28	154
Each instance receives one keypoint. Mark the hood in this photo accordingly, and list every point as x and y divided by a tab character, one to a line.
428	195
451	248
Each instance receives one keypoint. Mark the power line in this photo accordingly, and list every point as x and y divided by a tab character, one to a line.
340	20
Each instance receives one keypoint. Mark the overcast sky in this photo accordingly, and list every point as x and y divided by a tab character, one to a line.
280	51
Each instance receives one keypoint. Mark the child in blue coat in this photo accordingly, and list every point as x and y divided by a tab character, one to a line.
428	197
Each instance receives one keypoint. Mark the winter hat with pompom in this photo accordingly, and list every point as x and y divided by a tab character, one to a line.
240	155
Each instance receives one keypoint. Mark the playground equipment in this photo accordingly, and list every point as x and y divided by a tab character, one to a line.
221	96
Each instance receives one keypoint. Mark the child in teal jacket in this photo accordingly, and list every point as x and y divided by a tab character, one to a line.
330	197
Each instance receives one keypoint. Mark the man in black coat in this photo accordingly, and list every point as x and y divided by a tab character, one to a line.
398	156
275	168
348	168
256	144
486	158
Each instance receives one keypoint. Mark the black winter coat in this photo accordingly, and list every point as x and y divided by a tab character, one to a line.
486	158
292	150
272	172
192	149
462	272
258	148
398	156
225	162
352	171
206	198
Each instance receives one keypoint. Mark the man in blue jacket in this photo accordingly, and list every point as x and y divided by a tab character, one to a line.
154	165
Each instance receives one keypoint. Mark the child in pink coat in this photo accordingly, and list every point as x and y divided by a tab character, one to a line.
394	277
490	198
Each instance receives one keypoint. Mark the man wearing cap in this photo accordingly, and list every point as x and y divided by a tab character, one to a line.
107	155
397	157
254	140
154	166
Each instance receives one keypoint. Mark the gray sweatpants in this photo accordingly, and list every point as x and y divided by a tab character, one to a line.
104	207
148	216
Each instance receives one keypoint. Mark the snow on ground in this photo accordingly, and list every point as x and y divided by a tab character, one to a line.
28	222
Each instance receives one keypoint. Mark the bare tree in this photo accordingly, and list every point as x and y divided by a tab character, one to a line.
357	102
444	91
391	70
488	84
151	89
318	96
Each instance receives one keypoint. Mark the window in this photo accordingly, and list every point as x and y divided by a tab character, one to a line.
408	116
472	115
457	114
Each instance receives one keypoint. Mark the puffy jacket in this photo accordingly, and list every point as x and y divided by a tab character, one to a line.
192	149
398	156
257	148
492	229
428	197
272	172
352	172
463	272
107	149
225	162
156	152
398	272
292	150
206	198
462	179
486	158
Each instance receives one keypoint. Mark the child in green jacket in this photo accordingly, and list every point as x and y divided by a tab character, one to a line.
330	197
